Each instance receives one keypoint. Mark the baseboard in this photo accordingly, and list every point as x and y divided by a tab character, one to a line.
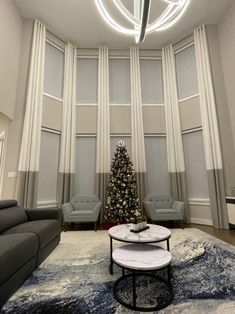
199	201
201	221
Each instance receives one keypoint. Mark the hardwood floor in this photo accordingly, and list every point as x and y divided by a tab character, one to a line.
225	235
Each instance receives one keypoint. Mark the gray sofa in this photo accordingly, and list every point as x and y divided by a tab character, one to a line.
27	237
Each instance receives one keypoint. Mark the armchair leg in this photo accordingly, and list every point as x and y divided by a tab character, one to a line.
95	226
65	226
182	224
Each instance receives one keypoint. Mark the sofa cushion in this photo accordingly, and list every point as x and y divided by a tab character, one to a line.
16	250
46	230
11	215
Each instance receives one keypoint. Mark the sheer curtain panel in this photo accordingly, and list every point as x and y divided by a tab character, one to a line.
210	131
137	131
67	146
175	154
27	183
103	129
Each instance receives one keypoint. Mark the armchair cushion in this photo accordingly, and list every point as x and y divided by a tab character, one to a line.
82	212
165	211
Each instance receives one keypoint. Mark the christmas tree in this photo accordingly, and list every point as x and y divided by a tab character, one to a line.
122	202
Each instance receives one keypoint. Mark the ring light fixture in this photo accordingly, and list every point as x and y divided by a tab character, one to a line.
173	11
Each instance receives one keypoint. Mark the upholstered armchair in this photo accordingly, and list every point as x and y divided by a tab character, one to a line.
163	208
82	208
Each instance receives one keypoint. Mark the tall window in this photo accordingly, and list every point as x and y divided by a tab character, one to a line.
155	145
195	165
156	161
85	165
48	168
53	73
186	72
87	99
151	81
119	81
87	80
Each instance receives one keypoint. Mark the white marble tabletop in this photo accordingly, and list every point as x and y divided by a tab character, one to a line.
141	257
154	234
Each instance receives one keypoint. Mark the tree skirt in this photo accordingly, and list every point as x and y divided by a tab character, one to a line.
75	277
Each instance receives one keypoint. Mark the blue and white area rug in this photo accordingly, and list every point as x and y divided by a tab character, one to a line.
75	277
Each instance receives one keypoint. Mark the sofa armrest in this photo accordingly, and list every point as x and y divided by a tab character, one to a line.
67	210
44	213
149	207
178	205
96	210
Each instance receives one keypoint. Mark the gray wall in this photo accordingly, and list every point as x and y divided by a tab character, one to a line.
225	112
10	34
15	127
4	122
226	32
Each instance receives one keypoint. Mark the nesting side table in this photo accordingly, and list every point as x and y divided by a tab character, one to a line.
123	233
142	260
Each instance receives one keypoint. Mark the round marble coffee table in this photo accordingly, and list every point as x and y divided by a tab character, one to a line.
123	233
140	259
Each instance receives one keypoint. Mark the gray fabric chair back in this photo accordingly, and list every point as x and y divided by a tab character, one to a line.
160	201
84	202
11	214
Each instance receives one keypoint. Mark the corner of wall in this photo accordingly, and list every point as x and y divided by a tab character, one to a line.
16	125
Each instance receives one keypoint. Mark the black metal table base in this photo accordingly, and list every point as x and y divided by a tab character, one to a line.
143	291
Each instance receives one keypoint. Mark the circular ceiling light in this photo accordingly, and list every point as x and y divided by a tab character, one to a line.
174	9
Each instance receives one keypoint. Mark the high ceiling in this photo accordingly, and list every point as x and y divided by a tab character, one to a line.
79	22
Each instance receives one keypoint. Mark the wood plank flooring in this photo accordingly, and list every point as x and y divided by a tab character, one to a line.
225	235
